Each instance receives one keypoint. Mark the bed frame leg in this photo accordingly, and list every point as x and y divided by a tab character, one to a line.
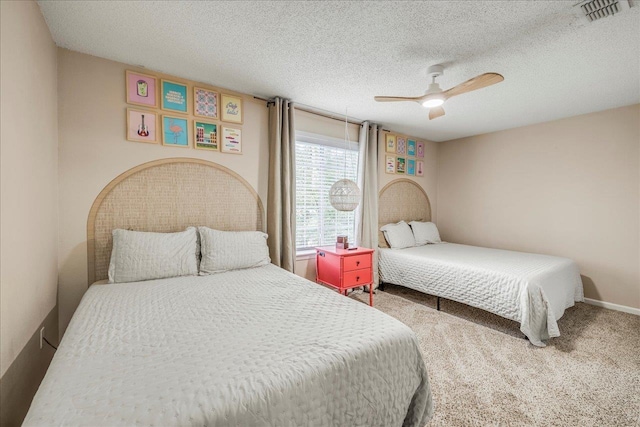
381	286
438	303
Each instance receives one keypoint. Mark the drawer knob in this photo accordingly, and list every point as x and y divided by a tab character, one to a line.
357	278
357	263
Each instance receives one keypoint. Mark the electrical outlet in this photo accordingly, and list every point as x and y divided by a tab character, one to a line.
41	336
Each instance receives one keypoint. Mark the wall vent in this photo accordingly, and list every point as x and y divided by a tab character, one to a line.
593	10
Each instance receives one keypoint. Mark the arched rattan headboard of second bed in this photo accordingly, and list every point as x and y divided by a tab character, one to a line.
402	200
169	195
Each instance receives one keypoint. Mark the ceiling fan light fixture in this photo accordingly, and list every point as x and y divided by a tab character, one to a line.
433	102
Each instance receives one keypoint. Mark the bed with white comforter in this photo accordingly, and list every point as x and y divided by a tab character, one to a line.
249	347
531	289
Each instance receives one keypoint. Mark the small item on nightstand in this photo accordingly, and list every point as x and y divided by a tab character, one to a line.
355	248
342	242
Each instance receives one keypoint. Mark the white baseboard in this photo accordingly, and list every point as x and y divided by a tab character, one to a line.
612	306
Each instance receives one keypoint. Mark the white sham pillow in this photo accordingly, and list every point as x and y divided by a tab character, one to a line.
425	232
139	255
399	235
231	250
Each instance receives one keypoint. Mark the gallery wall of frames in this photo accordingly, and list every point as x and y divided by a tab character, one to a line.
182	113
404	155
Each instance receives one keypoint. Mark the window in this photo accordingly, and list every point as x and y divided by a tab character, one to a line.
320	162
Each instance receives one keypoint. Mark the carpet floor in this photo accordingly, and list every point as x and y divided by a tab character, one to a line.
484	373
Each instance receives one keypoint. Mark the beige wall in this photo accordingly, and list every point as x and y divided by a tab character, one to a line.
93	151
29	168
570	187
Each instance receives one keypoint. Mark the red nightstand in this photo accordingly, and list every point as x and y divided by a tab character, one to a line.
344	269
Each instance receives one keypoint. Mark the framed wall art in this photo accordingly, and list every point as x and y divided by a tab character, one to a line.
419	168
205	103
390	164
231	141
411	167
231	108
400	165
141	89
390	143
401	147
175	131
420	149
174	96
205	136
142	126
411	148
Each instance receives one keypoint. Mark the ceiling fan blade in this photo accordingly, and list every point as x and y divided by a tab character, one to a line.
436	112
397	98
478	82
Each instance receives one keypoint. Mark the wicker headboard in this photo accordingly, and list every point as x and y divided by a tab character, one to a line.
169	195
402	199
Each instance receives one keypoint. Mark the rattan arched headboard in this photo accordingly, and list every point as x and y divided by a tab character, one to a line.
169	195
402	200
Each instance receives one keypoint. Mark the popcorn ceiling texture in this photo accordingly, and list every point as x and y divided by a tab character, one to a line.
333	55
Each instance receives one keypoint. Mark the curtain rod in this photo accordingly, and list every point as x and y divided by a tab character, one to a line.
312	110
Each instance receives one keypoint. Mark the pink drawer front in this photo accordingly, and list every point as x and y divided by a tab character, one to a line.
356	278
357	262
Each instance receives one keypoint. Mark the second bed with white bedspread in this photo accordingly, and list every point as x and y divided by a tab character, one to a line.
531	289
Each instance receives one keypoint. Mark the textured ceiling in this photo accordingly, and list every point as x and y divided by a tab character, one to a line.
333	55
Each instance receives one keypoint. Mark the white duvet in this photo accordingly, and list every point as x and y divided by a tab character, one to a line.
249	347
531	289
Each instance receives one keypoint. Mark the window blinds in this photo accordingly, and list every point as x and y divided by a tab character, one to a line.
318	167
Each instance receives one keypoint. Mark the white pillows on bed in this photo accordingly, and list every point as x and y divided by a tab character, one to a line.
399	235
138	255
425	232
231	250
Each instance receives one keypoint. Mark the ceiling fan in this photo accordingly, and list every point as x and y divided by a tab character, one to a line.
434	97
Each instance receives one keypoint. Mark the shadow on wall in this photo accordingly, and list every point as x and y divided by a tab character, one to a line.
590	287
72	283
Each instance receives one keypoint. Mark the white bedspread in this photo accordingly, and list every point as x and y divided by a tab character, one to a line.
249	347
529	288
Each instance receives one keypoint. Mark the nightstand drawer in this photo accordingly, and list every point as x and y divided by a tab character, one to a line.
357	277
357	262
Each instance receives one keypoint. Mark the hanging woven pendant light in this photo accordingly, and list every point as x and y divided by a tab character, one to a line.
344	194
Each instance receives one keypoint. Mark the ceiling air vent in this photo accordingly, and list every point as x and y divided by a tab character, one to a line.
597	9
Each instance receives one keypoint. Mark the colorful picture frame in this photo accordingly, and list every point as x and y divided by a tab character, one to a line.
420	149
419	168
231	141
141	89
142	126
400	165
390	143
175	131
401	147
205	103
411	148
411	167
390	164
205	136
231	108
174	96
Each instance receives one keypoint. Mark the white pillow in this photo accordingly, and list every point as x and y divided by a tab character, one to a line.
425	232
139	255
398	235
232	250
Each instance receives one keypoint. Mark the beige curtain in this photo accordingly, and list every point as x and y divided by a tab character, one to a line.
367	211
281	208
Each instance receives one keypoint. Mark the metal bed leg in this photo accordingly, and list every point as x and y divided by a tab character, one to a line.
438	303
